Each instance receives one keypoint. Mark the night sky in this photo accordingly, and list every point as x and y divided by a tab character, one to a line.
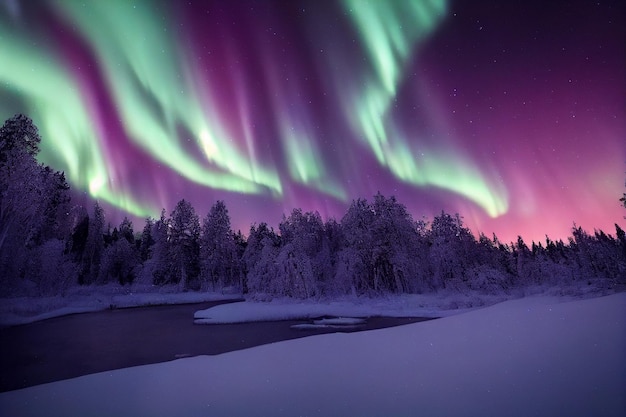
510	113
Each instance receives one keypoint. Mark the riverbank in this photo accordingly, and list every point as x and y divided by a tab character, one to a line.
92	298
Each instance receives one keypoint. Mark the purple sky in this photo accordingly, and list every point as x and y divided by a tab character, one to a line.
509	113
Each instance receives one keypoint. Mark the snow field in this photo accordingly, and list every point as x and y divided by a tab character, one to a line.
527	357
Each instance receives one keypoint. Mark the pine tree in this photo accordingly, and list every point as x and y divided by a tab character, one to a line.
51	209
120	257
125	231
219	263
119	262
160	253
259	258
76	239
18	133
381	250
355	266
23	194
34	201
299	271
147	241
451	252
327	259
395	244
184	235
93	247
20	181
240	247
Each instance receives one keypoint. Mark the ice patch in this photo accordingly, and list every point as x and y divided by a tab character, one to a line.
337	323
340	321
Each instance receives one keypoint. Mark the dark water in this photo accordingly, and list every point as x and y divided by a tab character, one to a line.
81	344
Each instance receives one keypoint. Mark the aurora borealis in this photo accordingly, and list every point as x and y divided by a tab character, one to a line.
509	113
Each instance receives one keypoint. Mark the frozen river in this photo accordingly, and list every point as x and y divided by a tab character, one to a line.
81	344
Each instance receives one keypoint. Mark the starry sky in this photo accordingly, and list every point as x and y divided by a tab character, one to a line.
510	113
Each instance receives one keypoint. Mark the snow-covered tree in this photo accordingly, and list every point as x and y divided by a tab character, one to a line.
33	199
125	231
487	266
259	258
381	250
218	255
395	246
51	208
528	261
20	187
184	247
120	258
451	253
147	240
240	248
160	264
53	272
18	133
119	262
299	264
93	247
355	265
18	216
76	239
621	240
326	260
599	256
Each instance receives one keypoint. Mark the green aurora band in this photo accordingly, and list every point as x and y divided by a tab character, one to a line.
158	92
71	143
141	75
390	33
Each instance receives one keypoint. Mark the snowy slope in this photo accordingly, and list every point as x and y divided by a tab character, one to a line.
528	357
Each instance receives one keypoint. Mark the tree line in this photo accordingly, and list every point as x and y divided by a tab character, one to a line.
47	245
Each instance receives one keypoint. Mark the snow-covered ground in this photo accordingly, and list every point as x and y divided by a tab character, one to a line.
437	304
22	310
536	356
404	305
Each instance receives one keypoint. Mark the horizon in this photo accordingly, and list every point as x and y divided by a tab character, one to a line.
138	223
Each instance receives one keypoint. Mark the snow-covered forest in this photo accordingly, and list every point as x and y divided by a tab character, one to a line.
48	245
